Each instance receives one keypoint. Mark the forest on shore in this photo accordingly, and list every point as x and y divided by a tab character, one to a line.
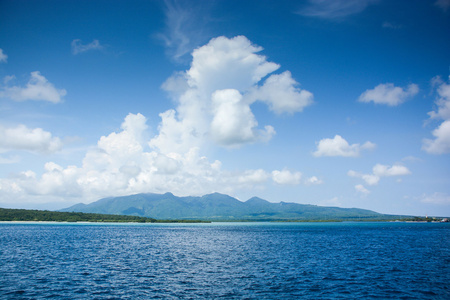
7	214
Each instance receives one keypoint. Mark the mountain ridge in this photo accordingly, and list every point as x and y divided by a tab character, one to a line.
221	207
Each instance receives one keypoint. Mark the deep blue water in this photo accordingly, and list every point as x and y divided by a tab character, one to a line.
228	261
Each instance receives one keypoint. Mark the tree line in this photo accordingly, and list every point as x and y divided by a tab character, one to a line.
7	214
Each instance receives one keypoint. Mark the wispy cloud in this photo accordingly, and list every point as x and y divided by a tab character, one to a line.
78	47
185	27
9	160
361	189
380	171
389	94
3	57
391	25
443	4
313	180
436	198
334	9
38	88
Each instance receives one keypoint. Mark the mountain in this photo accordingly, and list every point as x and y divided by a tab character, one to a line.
220	207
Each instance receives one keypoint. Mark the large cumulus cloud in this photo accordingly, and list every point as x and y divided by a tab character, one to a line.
214	96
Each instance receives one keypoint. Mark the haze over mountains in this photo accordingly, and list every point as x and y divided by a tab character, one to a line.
220	207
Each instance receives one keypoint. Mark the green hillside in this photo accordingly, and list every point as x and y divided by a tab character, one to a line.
220	207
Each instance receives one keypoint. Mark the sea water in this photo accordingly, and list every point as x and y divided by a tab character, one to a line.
225	261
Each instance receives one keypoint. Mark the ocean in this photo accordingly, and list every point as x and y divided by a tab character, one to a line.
380	260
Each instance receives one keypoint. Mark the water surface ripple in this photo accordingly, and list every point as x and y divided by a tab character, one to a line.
228	261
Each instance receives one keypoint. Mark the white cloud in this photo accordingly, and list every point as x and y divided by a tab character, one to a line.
436	198
338	146
78	47
228	63
286	177
128	141
442	102
119	165
441	143
442	4
252	177
380	171
335	9
361	189
281	93
389	94
313	181
233	122
386	171
23	138
3	57
38	88
215	94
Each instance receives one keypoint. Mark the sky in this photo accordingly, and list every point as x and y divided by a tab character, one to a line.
323	102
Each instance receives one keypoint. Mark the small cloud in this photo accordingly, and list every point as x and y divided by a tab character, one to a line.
380	171
34	140
391	25
282	94
443	100
389	94
443	4
253	177
3	57
313	181
78	47
286	177
38	88
361	189
335	9
386	171
338	146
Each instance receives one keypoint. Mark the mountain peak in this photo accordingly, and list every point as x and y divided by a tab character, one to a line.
256	200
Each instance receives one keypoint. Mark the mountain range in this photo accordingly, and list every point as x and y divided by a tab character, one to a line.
220	207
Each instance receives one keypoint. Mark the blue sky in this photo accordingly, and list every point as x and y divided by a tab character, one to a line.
336	103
